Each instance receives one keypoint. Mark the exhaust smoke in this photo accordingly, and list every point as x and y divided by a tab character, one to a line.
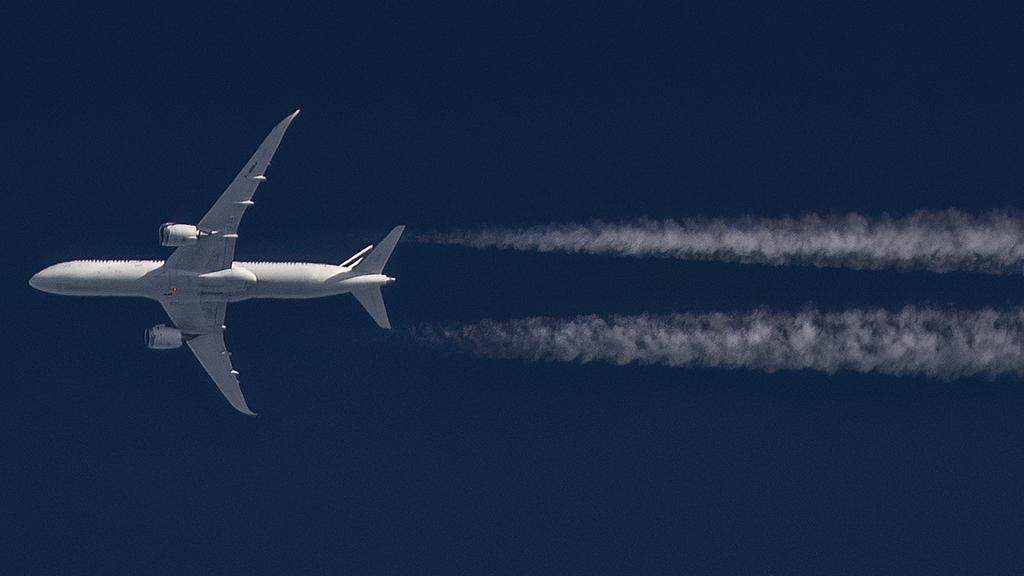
936	241
938	343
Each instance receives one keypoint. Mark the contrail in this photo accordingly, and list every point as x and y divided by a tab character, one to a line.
938	241
938	343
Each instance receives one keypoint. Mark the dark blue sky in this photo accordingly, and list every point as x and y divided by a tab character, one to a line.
373	455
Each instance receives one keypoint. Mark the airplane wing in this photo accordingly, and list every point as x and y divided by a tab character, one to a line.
196	317
215	249
207	319
210	350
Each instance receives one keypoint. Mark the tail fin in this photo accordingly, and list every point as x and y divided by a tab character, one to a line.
356	258
373	263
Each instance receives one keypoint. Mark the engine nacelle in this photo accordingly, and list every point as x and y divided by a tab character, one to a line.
172	234
161	337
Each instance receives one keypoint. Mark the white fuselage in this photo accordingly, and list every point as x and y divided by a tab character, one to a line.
244	280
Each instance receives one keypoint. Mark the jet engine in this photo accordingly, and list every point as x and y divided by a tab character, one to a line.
172	234
161	337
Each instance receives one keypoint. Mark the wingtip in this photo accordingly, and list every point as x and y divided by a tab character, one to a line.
288	119
243	408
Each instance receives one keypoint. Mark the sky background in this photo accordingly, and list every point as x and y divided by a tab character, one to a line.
375	455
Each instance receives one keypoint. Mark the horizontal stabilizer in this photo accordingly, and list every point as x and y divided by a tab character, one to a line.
373	263
371	299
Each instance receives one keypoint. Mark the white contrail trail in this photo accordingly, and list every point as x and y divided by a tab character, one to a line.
933	342
938	241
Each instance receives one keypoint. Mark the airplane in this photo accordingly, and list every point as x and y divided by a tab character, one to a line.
198	280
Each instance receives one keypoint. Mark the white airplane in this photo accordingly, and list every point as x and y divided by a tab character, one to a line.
195	284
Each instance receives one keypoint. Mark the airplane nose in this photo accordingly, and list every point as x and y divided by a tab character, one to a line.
42	280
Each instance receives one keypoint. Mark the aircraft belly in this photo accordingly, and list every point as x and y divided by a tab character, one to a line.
282	289
229	284
99	278
290	280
